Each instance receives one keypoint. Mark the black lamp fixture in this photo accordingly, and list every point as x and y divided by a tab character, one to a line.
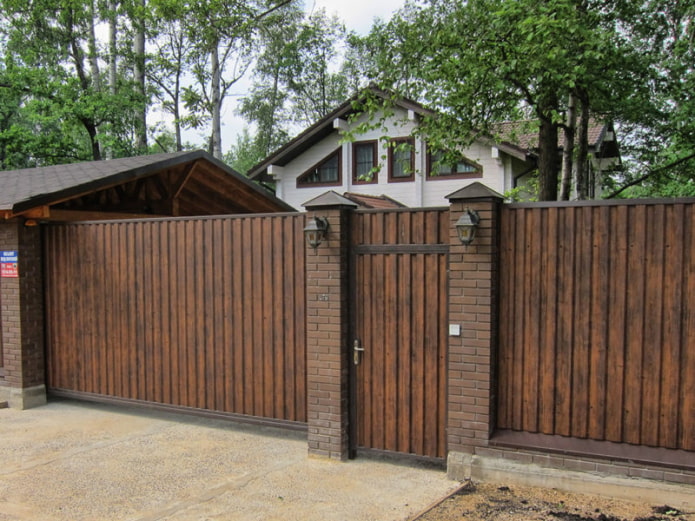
467	225
315	231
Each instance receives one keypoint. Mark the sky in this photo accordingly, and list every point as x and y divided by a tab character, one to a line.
357	15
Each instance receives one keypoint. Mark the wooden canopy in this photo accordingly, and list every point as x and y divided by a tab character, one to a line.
175	184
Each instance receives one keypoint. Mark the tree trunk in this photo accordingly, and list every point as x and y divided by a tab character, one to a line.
112	56
568	150
93	53
548	154
216	104
139	77
177	117
583	151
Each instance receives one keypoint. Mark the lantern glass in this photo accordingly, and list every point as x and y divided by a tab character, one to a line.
467	225
315	231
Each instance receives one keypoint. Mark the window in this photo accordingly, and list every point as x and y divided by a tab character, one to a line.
364	162
401	160
439	168
325	173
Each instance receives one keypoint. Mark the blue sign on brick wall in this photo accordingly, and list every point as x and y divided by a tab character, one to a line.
8	264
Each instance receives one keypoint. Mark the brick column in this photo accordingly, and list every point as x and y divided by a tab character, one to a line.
473	306
22	317
327	330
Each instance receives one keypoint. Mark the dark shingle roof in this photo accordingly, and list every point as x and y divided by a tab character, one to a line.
31	187
524	133
22	186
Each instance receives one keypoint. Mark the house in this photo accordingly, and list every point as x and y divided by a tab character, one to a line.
399	166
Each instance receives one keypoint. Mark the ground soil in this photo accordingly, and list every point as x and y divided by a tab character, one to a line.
496	502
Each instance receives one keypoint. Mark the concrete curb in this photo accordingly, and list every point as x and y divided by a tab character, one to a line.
479	468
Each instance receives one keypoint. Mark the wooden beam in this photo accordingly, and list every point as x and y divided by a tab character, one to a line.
40	212
184	179
77	215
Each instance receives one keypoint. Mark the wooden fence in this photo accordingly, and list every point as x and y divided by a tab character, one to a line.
597	322
202	313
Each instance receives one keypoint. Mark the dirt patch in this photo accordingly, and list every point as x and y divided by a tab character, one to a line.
490	502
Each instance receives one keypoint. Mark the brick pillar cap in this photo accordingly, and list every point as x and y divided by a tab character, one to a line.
476	190
329	199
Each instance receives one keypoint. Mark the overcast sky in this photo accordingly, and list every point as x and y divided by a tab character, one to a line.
357	14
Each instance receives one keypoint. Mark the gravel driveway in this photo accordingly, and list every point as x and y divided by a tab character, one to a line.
75	461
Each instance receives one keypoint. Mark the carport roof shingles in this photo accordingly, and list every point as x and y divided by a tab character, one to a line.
23	185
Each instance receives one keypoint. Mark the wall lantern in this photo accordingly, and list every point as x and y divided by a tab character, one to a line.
315	231
467	225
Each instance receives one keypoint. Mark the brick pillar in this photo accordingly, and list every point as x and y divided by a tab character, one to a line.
473	306
22	317
327	330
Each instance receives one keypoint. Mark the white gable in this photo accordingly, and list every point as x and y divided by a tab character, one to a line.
497	168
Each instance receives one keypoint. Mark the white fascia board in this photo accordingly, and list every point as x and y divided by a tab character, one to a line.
276	171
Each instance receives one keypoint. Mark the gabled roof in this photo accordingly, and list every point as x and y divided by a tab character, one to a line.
373	201
329	199
323	128
516	140
520	134
26	189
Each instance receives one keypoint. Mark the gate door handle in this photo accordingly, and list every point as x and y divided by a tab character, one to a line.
356	352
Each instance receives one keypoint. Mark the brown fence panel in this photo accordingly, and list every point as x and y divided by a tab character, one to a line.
597	320
400	312
203	313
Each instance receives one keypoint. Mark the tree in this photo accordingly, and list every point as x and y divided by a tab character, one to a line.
296	76
224	41
171	51
484	61
53	61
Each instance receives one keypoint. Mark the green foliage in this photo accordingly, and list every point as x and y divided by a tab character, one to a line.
294	78
245	153
484	61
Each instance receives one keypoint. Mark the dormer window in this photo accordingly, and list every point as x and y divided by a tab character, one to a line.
325	173
441	167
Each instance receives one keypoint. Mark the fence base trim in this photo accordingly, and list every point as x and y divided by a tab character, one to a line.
640	454
206	413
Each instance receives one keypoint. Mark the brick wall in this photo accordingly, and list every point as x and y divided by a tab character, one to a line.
22	311
327	329
472	286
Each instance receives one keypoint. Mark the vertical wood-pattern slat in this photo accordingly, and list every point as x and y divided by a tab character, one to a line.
506	321
687	397
443	343
418	356
391	346
530	316
669	413
651	358
616	311
404	339
549	292
580	354
598	334
634	330
516	396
